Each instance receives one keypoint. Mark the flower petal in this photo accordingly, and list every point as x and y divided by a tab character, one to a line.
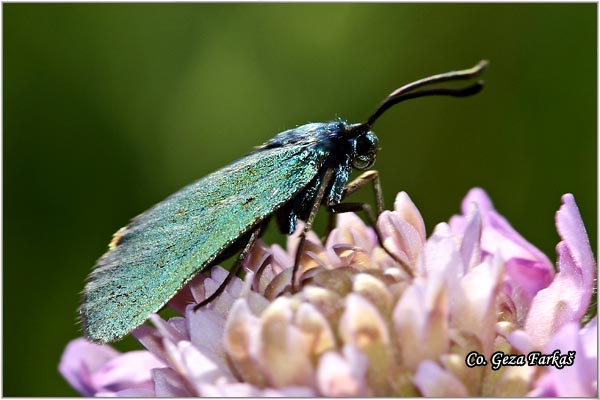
375	291
80	360
198	368
317	333
499	236
139	392
572	230
400	237
433	381
406	209
167	383
470	247
283	354
565	300
151	339
350	229
99	370
474	306
188	294
131	370
340	377
441	259
206	328
241	337
421	322
363	327
579	379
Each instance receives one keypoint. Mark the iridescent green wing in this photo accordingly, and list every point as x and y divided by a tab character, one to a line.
163	248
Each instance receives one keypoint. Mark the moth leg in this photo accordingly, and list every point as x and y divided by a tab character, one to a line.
309	221
234	270
354	186
330	224
363	180
354	207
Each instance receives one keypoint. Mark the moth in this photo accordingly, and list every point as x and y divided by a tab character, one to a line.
289	177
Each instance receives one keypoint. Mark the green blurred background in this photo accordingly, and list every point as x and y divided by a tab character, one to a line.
110	108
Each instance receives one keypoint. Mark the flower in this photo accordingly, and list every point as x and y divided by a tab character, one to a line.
372	322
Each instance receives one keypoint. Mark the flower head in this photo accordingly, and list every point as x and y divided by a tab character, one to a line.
360	325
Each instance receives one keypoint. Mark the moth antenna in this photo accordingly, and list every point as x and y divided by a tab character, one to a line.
409	91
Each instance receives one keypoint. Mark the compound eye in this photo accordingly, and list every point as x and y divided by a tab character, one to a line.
363	162
364	150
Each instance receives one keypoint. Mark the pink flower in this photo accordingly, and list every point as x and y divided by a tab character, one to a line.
360	325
